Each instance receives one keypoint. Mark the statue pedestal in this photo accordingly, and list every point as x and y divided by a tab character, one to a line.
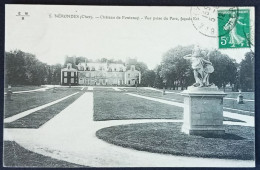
203	111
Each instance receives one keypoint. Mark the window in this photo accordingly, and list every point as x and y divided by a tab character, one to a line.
65	73
128	81
65	80
72	80
128	75
72	74
114	69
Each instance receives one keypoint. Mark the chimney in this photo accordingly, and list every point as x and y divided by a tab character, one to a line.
132	67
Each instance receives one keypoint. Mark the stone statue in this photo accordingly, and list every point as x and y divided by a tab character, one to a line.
201	67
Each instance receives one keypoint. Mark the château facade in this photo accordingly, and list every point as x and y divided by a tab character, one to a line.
100	74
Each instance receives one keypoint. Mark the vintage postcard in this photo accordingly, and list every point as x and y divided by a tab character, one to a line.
129	86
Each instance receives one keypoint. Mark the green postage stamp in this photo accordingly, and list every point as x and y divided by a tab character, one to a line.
234	28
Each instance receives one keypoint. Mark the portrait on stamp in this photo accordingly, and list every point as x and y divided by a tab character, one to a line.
233	27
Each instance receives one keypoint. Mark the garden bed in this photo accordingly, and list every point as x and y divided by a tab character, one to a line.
26	101
38	118
16	156
117	106
167	138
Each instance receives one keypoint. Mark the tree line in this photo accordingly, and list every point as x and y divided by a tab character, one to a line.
23	68
176	73
173	72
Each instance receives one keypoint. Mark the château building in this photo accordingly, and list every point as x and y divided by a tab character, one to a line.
111	74
69	75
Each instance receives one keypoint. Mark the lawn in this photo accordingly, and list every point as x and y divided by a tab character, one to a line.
103	89
23	88
246	95
111	105
133	89
168	96
26	101
247	106
116	105
16	156
38	118
167	138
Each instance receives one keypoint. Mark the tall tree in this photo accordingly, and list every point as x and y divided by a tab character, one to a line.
176	71
140	66
158	82
148	78
71	60
80	60
225	70
247	72
25	69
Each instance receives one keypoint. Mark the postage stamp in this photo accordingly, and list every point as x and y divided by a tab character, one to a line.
205	19
234	28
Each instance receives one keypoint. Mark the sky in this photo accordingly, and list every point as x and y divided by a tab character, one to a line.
51	36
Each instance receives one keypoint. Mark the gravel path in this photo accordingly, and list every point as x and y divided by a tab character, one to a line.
70	136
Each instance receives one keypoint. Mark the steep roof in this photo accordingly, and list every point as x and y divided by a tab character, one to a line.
105	66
